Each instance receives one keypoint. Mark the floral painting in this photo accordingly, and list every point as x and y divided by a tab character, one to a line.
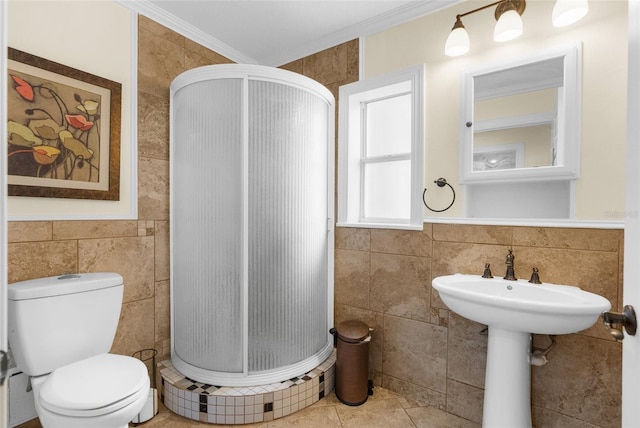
63	131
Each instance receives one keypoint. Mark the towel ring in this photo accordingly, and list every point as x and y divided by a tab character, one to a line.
441	182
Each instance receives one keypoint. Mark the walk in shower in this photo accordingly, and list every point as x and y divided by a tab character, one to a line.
251	224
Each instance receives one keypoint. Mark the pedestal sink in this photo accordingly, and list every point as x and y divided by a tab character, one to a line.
513	310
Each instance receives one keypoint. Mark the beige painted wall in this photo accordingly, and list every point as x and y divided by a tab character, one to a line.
79	35
603	33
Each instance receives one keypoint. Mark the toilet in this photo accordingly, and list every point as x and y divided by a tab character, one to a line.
60	332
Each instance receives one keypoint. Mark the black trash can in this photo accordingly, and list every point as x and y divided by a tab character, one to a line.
352	362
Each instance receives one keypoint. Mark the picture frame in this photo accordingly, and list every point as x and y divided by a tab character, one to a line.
63	131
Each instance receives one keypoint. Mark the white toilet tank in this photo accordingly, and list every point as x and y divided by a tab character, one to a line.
61	319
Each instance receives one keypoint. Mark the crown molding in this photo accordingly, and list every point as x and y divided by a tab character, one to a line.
151	11
375	24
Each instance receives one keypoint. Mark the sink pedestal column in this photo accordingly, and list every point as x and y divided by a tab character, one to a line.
507	389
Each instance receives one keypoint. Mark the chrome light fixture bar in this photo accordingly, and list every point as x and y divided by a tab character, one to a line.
508	14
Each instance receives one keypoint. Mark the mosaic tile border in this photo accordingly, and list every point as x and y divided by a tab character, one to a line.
243	405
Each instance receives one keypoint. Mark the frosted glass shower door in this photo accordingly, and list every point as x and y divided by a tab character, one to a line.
251	224
206	209
287	224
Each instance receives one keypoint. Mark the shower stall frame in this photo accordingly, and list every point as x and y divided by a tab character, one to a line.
248	72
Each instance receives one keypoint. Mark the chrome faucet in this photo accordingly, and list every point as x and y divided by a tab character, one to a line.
510	275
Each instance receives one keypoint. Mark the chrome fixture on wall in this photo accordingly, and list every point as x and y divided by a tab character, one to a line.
508	14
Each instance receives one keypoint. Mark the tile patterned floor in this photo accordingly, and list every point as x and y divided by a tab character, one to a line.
383	409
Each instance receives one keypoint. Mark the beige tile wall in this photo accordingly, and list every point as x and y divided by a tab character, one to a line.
437	358
382	276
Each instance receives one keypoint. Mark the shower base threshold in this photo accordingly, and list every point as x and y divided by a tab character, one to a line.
246	404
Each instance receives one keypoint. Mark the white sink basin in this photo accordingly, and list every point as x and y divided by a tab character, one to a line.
520	305
513	310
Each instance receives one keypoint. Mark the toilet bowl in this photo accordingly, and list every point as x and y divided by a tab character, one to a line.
60	332
104	391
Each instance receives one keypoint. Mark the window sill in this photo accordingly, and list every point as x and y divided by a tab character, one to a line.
404	226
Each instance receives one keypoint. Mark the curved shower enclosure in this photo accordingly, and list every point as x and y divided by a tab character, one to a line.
251	224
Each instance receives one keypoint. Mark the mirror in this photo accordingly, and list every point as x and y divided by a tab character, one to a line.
515	112
521	118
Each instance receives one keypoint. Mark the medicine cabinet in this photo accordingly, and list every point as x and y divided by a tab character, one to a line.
520	118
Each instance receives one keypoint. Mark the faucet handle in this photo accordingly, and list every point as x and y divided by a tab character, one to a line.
535	278
487	271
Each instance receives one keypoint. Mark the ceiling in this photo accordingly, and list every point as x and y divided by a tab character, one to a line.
275	32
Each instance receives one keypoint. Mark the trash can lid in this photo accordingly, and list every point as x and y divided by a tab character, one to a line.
352	330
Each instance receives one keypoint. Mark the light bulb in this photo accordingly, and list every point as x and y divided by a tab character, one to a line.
457	42
508	27
566	12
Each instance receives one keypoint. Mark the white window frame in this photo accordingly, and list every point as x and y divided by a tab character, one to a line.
351	147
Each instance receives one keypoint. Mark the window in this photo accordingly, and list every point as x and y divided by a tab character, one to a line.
380	151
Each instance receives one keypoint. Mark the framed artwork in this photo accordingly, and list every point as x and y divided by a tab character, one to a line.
63	131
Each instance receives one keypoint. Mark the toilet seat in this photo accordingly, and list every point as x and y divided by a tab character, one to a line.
95	386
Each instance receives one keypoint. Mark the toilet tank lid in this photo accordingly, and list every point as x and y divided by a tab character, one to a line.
63	284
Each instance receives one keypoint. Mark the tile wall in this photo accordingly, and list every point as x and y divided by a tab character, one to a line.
382	277
437	358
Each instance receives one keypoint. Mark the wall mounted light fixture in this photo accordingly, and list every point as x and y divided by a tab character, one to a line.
509	22
566	12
